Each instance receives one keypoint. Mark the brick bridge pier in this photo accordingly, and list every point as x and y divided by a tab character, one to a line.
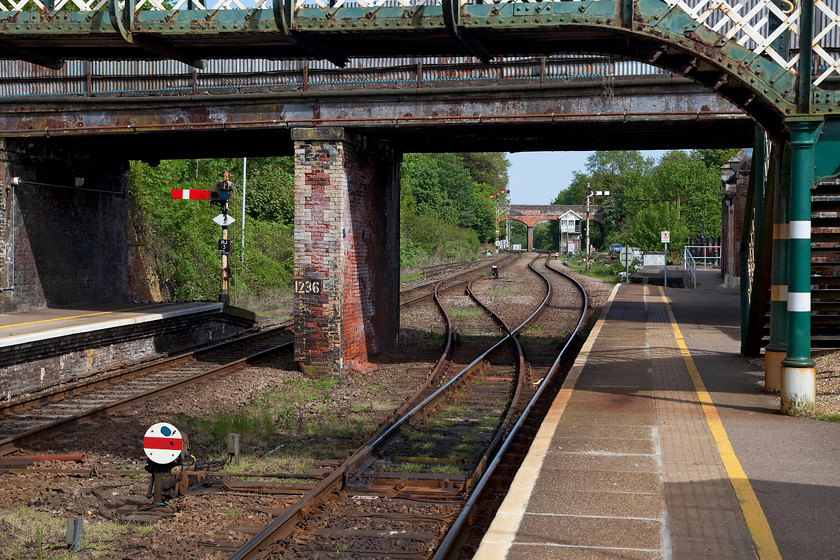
347	249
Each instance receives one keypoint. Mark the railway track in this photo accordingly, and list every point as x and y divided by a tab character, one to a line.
425	289
26	420
410	491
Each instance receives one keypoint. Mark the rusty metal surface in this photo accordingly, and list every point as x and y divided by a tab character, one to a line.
169	77
656	112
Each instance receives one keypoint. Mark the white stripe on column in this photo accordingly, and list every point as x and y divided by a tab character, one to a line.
778	292
800	229
799	301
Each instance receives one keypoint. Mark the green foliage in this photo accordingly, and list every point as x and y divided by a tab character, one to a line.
651	221
686	178
445	204
547	236
714	159
677	194
428	239
270	190
490	168
178	238
518	233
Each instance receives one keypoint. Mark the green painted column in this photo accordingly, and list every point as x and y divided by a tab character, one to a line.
774	353
799	385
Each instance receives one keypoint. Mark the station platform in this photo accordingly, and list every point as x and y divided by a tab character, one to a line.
41	324
663	444
44	348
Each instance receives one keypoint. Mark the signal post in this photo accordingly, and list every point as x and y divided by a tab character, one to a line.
221	196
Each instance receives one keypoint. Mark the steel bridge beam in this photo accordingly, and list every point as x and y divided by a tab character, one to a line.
653	113
656	33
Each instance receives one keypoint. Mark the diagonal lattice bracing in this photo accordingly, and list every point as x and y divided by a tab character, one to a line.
826	62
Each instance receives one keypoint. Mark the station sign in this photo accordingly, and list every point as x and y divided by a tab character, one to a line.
163	443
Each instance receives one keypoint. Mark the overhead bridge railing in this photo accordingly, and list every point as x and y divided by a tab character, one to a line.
749	51
109	78
761	25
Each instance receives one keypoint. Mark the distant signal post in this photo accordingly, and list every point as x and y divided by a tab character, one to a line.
220	195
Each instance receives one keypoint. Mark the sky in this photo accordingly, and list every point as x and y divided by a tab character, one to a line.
537	177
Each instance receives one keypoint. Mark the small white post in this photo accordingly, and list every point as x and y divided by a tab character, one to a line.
242	225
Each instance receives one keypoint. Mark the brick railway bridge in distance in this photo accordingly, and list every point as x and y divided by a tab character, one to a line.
762	75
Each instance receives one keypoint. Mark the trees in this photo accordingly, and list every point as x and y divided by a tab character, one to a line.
678	194
177	239
445	191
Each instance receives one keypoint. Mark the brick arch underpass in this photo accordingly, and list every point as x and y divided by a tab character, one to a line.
531	215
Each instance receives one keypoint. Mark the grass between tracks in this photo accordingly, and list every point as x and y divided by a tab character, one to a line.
26	534
276	428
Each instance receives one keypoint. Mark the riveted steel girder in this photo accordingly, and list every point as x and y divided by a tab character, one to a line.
646	30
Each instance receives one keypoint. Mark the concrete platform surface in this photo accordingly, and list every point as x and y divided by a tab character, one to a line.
663	444
41	324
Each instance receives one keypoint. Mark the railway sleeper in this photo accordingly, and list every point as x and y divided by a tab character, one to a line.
420	536
372	553
426	480
413	491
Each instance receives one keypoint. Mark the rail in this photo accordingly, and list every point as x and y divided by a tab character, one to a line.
62	421
690	265
284	525
451	538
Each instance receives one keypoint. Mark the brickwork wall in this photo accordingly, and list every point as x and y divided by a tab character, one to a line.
346	238
371	249
6	219
68	243
320	183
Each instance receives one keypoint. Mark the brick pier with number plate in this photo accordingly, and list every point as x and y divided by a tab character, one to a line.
346	284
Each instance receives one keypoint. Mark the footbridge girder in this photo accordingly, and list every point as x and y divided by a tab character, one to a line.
761	79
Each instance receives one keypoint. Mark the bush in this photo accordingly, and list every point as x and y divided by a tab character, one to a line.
426	240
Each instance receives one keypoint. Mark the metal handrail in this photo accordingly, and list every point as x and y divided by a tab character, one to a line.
705	257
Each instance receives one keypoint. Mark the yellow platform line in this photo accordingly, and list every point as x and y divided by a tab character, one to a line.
71	317
757	524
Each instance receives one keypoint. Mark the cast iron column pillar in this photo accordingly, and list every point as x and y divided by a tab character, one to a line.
799	386
776	349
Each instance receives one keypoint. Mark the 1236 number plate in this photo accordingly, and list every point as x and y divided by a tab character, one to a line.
307	286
